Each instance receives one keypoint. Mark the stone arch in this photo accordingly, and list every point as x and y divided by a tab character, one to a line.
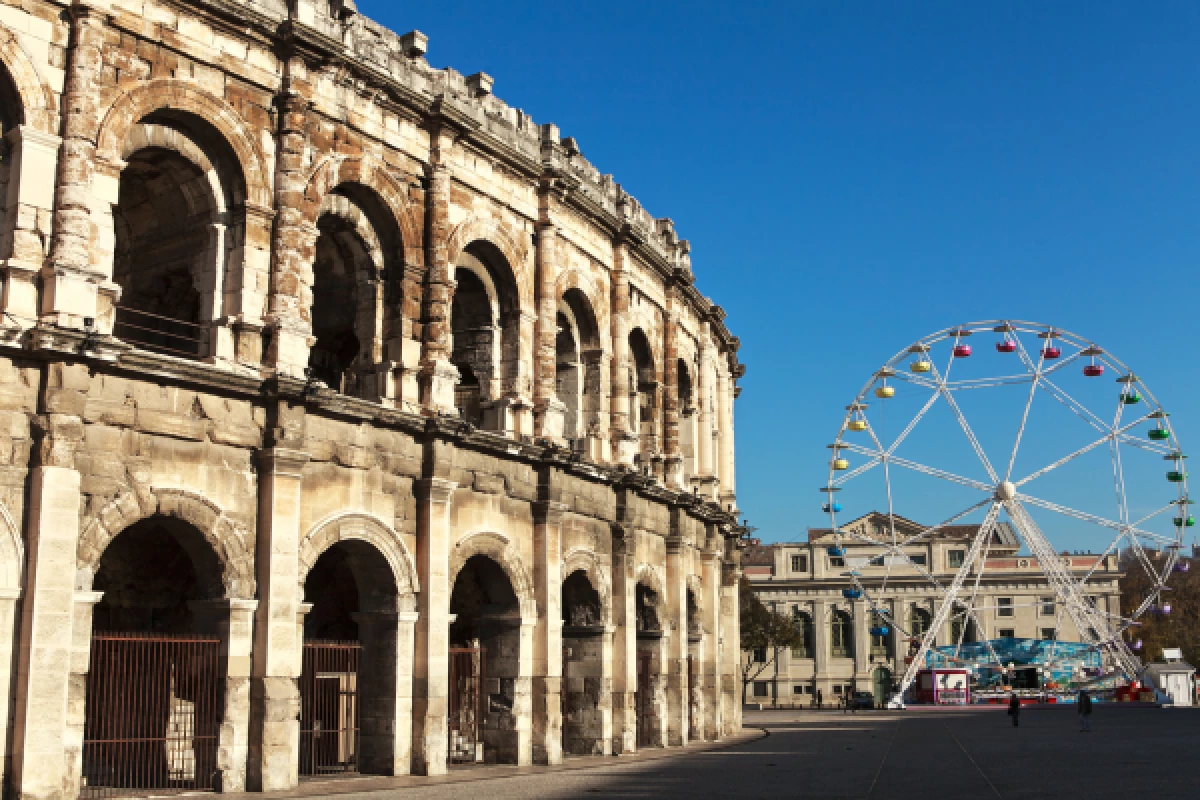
372	174
150	135
161	94
581	559
40	107
498	548
510	244
574	278
359	526
229	540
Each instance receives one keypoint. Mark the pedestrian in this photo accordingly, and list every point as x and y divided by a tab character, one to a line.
820	699
1014	709
1083	707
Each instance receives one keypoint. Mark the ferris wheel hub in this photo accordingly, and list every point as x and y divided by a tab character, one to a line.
1005	491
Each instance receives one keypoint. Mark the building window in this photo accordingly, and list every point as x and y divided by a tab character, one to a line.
962	630
837	688
804	630
919	621
880	644
842	638
1048	609
837	561
1048	634
955	558
917	558
760	689
1006	633
1004	607
798	690
799	563
760	655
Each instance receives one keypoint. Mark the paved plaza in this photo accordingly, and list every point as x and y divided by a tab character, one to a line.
1131	753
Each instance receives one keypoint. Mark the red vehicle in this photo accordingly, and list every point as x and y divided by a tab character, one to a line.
942	687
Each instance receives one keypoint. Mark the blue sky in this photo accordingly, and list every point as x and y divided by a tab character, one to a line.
853	176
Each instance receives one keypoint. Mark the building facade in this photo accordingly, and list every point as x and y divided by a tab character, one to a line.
350	419
839	654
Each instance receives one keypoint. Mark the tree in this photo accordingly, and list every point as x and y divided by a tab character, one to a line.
1180	628
765	634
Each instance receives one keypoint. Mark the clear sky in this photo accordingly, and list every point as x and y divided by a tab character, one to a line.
853	176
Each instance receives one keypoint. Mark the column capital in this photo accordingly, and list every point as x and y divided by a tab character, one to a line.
282	460
437	490
548	512
88	598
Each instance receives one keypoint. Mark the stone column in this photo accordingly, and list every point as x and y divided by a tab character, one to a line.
862	638
676	631
731	651
549	411
274	692
233	621
729	483
725	437
821	621
29	204
624	438
385	691
431	654
523	695
710	664
624	650
705	478
672	457
295	238
69	284
44	763
438	376
547	650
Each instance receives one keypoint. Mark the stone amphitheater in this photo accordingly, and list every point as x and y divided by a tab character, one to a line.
350	421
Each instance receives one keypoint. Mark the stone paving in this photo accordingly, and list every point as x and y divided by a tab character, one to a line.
1131	753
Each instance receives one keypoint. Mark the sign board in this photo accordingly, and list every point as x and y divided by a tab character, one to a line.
1172	654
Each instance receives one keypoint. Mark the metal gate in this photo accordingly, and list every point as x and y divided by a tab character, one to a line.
644	700
152	714
329	707
466	704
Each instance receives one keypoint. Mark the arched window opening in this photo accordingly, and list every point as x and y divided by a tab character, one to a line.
154	702
485	321
348	670
647	610
583	671
962	628
579	358
485	648
12	114
688	420
695	627
580	602
881	643
919	621
356	308
644	398
804	638
841	635
179	228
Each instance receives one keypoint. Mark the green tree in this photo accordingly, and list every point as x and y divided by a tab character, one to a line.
1180	628
765	634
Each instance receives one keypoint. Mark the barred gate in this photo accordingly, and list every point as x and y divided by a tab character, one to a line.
644	700
329	707
466	704
152	714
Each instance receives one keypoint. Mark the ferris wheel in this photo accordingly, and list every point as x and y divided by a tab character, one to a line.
1031	436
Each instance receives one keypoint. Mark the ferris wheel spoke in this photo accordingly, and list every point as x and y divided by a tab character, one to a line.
966	428
1021	429
1080	410
909	428
858	449
1119	482
1071	456
939	473
1063	363
1081	515
986	383
915	380
859	470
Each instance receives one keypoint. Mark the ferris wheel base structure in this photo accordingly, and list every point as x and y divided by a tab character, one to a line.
1048	365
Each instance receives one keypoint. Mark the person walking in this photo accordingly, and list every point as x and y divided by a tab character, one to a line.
1014	709
820	699
1083	707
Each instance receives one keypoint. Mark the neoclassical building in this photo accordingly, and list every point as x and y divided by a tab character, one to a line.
837	651
349	420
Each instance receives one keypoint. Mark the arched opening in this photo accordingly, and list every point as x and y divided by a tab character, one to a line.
584	699
644	405
485	322
179	230
693	688
348	676
154	699
579	354
881	685
804	635
962	628
687	420
881	636
651	699
12	114
356	291
485	664
841	638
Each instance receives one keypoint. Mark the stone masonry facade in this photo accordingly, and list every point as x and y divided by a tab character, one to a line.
305	340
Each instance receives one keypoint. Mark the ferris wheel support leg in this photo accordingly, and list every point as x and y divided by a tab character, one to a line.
1092	626
947	605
